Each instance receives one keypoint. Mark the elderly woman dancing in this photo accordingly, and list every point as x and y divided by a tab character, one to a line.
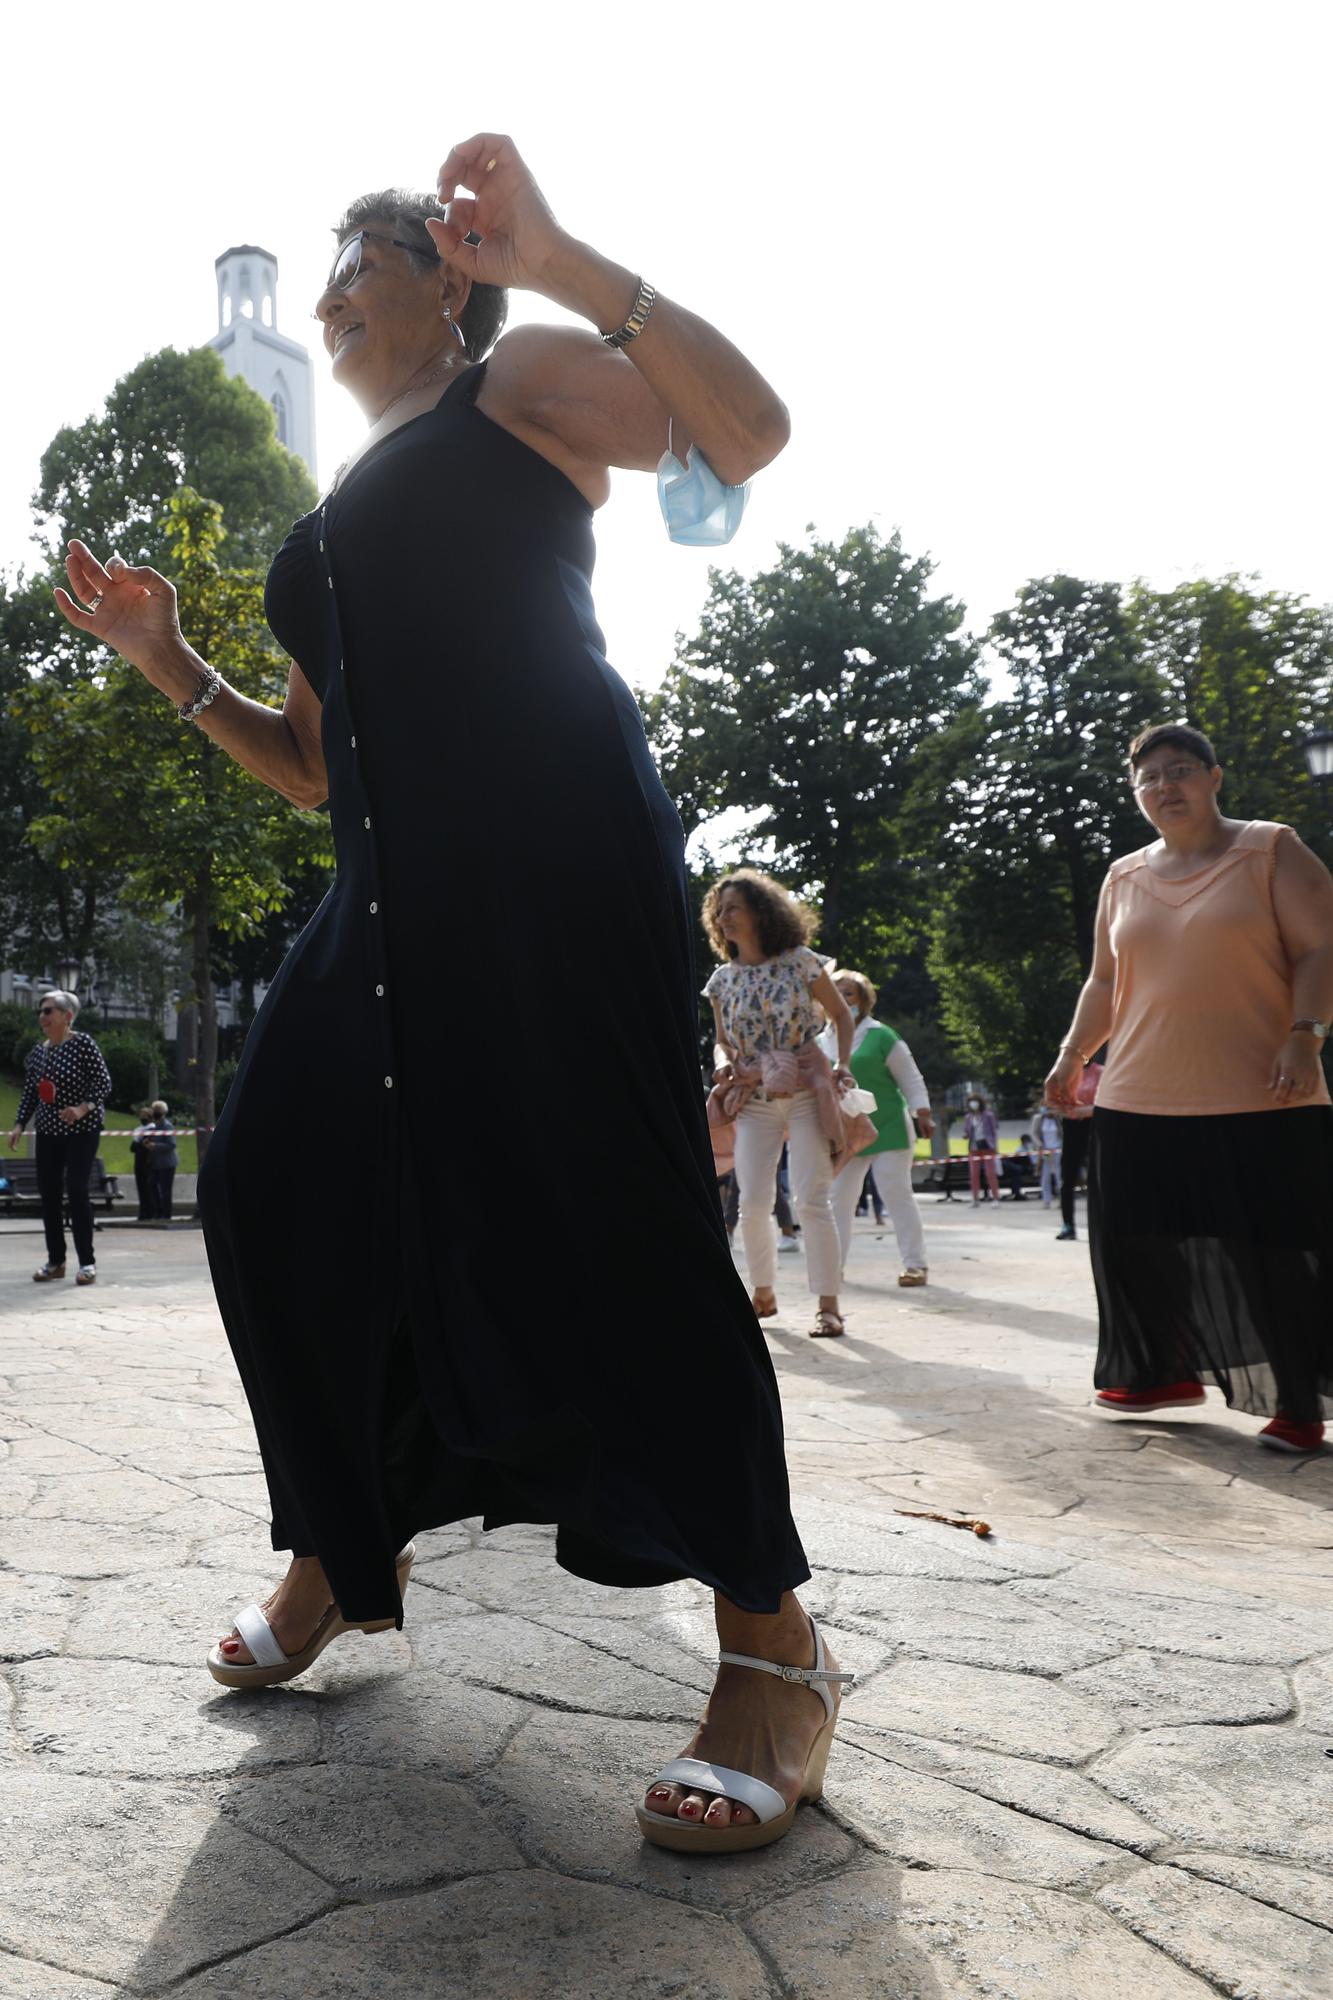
1210	1199
450	698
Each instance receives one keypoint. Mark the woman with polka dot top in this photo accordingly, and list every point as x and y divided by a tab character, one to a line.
66	1083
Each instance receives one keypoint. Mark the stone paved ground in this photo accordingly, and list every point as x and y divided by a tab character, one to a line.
1087	1759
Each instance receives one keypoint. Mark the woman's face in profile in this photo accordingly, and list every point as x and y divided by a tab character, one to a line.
384	322
735	919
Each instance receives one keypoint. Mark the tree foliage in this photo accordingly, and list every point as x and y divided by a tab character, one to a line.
1039	809
812	696
174	420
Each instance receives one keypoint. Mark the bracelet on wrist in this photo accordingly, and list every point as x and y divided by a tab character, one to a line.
638	318
1067	1047
210	681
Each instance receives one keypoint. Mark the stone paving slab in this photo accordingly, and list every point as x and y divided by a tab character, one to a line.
1085	1759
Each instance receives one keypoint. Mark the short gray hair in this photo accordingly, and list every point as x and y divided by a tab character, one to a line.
68	1003
482	318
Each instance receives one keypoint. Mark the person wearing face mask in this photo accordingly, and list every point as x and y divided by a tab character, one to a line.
882	1063
1210	1199
982	1135
451	700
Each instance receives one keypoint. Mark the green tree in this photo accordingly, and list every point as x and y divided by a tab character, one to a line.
810	697
131	786
49	908
174	420
1040	805
1253	669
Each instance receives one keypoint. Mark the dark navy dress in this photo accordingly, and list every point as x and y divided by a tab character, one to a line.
510	871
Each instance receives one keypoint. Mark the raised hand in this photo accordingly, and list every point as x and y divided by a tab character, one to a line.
132	610
504	206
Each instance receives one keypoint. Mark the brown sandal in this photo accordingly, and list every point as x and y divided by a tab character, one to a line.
47	1273
827	1325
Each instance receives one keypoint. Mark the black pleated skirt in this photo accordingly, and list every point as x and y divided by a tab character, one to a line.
1212	1253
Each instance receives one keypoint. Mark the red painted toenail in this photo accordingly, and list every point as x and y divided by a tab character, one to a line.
231	1645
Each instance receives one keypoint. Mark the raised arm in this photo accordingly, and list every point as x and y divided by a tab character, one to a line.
608	406
134	612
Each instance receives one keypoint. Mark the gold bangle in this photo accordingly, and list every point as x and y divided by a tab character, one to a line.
1085	1060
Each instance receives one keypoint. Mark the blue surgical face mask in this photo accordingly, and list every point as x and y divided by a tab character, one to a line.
698	509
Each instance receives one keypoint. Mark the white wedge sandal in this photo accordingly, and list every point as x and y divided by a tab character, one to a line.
270	1665
775	1816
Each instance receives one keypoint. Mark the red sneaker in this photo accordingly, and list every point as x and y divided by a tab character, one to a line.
1283	1435
1140	1402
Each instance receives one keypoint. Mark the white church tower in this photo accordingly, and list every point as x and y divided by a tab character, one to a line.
248	340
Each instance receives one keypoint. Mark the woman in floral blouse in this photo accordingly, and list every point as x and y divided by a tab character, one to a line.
66	1083
766	995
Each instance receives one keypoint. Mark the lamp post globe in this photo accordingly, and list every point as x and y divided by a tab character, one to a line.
1318	748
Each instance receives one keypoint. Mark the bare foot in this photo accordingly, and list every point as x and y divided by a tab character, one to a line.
753	1722
294	1610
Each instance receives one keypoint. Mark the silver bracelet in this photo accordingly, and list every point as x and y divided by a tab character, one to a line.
210	681
637	320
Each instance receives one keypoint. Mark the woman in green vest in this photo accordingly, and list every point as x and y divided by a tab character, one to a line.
882	1063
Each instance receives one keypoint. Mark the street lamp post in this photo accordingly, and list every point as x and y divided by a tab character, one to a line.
1318	748
68	970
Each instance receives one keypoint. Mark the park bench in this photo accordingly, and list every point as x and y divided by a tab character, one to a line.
18	1184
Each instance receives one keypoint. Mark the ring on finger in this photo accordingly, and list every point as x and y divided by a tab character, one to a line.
490	164
96	601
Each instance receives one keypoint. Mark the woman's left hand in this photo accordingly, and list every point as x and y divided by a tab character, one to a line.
925	1124
72	1113
1296	1070
842	1076
504	206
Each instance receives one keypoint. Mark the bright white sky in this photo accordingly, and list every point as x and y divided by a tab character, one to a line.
1044	284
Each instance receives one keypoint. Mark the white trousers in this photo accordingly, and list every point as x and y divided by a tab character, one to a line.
893	1178
759	1134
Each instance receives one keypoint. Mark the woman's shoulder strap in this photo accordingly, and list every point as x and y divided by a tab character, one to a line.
463	389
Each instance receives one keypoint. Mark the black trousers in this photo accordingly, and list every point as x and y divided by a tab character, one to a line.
1075	1138
63	1167
160	1179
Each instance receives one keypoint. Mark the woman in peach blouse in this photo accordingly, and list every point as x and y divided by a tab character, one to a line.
1210	1203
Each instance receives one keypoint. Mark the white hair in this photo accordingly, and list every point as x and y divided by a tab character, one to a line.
67	1002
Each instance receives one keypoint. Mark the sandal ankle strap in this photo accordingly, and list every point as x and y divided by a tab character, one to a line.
807	1676
816	1678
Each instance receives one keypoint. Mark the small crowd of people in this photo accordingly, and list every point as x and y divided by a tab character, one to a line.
1200	1027
66	1089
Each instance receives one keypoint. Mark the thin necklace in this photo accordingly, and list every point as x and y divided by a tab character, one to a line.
435	374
